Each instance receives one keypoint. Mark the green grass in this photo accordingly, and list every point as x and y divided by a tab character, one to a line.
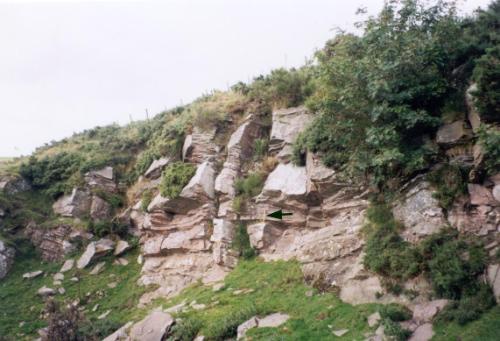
21	303
278	287
484	329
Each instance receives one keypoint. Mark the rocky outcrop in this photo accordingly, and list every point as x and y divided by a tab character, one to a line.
83	202
472	112
100	209
6	258
102	179
199	146
419	211
76	204
239	148
153	327
287	124
53	243
13	184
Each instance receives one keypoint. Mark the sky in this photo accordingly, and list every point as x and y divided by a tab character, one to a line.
66	66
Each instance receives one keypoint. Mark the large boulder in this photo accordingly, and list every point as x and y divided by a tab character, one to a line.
6	259
419	211
287	124
153	327
480	195
154	170
474	219
269	321
75	205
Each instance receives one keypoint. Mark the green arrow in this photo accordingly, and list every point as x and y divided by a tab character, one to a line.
279	214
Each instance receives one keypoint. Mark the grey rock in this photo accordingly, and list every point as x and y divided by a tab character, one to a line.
420	212
100	209
120	334
68	265
98	268
422	333
32	274
374	319
45	291
153	327
340	332
288	179
493	276
76	204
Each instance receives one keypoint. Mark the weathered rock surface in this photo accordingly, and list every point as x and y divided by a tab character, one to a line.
102	179
472	112
199	146
422	333
100	209
53	243
6	259
76	204
153	327
420	212
287	124
156	167
239	148
95	250
120	334
425	312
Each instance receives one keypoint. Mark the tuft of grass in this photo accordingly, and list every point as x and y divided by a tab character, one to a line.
450	182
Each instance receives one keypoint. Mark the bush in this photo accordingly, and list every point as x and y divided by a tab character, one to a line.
395	330
241	242
175	177
97	329
386	252
249	186
185	329
450	182
395	312
490	140
105	227
147	196
468	308
452	264
487	74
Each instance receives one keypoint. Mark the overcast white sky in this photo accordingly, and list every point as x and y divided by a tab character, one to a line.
66	66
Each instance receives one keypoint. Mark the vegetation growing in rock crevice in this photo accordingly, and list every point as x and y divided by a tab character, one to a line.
449	181
175	177
451	263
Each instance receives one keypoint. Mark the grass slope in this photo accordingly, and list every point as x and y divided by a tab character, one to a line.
20	302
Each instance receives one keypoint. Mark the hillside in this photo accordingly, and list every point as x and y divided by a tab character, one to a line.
385	149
